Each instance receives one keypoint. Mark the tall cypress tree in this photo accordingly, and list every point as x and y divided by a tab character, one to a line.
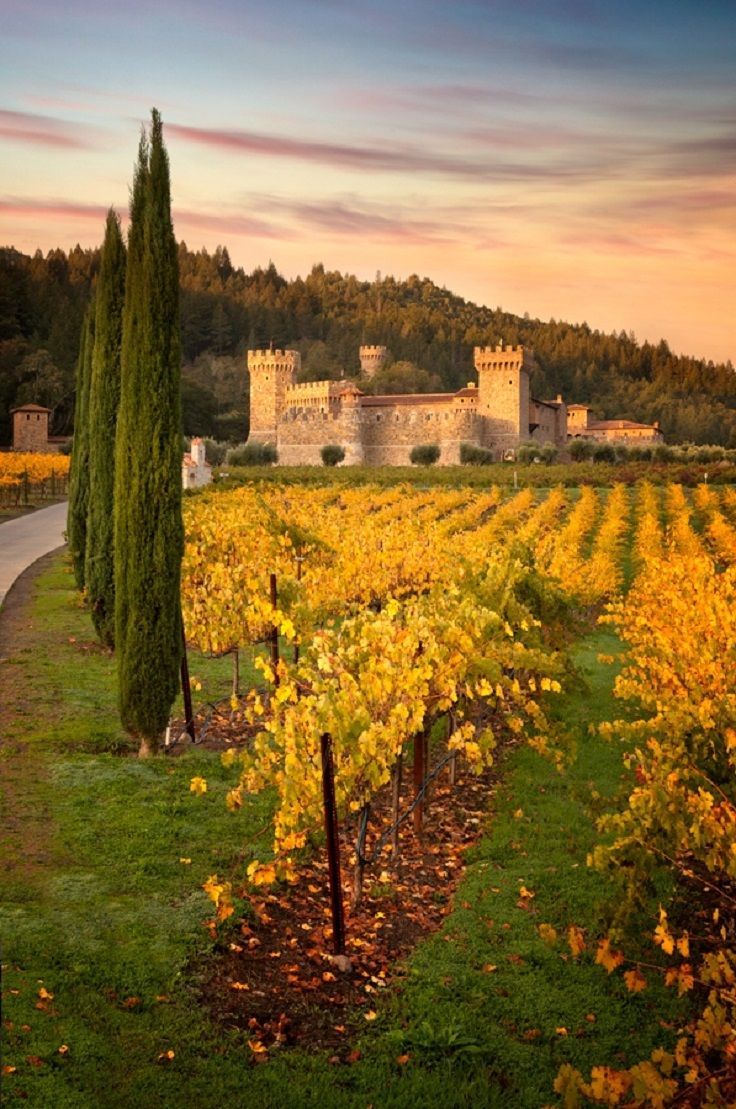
104	398
76	517
148	525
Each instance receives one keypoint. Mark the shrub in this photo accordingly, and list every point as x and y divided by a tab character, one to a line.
604	452
66	448
332	453
581	450
215	452
527	452
252	454
470	455
547	453
424	454
662	453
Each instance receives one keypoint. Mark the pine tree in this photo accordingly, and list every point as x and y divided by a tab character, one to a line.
104	398
148	523
76	519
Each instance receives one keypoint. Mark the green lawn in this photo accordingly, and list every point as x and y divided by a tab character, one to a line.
99	910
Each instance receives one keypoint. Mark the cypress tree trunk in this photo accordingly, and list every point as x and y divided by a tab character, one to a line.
104	399
148	524
76	518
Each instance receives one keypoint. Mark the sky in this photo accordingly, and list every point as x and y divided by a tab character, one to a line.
573	159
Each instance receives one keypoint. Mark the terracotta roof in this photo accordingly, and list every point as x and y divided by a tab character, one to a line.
389	399
548	403
30	408
571	407
618	425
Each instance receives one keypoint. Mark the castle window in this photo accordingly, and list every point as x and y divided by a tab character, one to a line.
378	418
510	382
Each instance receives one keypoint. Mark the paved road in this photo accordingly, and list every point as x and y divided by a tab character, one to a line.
24	540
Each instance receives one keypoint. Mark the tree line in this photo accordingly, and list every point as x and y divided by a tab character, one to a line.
326	315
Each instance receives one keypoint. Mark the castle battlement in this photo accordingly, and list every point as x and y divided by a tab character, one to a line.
502	357
509	348
371	359
274	356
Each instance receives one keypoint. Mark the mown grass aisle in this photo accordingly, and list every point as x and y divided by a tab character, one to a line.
111	924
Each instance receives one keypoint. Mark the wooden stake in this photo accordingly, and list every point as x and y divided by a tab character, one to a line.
333	846
418	814
274	633
186	689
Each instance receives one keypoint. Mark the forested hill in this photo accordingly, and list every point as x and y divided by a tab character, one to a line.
327	315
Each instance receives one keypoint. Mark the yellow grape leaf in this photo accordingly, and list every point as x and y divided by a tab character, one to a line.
371	1014
607	957
45	995
683	945
198	786
576	939
635	981
239	986
257	1047
547	933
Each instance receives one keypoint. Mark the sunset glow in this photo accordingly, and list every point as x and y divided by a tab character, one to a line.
573	160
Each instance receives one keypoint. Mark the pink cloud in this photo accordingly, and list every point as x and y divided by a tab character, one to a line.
401	159
54	209
39	130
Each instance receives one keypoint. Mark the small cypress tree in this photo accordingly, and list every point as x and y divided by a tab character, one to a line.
148	525
104	398
76	518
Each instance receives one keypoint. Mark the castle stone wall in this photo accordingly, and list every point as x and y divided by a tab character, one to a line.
551	423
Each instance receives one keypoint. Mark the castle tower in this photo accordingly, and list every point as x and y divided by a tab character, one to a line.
503	394
31	428
372	359
271	371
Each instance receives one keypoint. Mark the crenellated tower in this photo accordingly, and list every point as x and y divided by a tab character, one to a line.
271	372
503	394
372	359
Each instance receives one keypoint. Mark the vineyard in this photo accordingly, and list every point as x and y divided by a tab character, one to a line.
424	629
515	887
25	477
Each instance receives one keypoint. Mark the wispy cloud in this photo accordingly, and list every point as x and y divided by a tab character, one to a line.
386	224
52	209
41	130
233	223
391	158
61	211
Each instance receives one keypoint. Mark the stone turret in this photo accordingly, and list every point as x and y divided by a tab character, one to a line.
372	359
503	394
271	372
31	428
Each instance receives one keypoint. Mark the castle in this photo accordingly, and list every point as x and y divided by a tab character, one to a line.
498	413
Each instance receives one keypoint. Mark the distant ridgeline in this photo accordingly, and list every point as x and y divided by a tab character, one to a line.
326	317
